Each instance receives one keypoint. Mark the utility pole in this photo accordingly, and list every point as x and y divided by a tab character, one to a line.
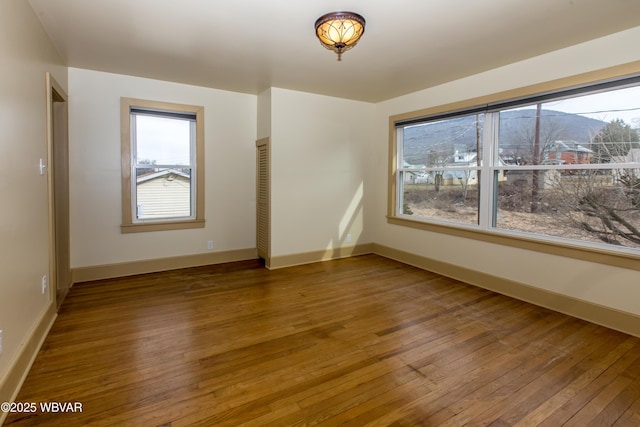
535	185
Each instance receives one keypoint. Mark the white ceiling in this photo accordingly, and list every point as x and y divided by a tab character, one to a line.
250	45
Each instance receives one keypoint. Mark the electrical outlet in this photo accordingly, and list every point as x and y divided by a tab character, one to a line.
0	341
349	238
45	283
209	244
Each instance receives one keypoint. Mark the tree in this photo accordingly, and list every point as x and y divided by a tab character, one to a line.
532	136
606	204
439	156
611	212
615	139
143	171
532	141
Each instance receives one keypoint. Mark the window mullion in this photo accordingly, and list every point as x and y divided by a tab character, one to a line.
193	174
133	162
487	170
399	174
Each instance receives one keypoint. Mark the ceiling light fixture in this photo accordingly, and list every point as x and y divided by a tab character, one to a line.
339	31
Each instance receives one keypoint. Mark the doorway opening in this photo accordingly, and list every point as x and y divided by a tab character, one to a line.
58	177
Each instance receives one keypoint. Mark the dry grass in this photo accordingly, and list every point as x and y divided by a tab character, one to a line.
551	224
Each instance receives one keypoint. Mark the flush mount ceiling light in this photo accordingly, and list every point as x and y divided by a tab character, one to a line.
340	31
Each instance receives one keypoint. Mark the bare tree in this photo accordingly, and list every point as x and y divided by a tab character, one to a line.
611	213
614	140
439	155
606	203
532	145
143	171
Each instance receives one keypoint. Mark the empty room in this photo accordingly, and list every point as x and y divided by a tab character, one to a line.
320	213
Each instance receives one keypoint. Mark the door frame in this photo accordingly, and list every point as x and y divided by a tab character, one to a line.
59	229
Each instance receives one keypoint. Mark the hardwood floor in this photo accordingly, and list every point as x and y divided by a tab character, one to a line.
357	341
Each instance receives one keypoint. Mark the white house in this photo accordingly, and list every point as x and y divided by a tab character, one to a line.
165	193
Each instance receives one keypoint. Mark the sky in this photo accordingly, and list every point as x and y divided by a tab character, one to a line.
606	106
163	139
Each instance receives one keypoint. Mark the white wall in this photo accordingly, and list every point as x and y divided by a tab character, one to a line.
27	54
230	134
320	151
613	287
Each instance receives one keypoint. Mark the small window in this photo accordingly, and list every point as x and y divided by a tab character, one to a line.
162	172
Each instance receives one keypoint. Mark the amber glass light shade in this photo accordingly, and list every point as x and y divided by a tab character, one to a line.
340	31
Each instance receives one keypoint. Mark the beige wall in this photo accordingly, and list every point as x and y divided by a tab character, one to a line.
27	54
319	156
613	287
329	174
230	134
263	121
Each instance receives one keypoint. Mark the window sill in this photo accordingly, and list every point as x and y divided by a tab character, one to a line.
161	226
623	260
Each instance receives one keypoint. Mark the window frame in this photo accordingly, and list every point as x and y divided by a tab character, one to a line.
539	243
131	224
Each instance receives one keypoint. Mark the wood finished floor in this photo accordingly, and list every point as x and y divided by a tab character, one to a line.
359	341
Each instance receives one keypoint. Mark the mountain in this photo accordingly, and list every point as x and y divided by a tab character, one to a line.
516	128
555	125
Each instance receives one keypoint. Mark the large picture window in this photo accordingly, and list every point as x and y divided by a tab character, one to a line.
162	166
562	167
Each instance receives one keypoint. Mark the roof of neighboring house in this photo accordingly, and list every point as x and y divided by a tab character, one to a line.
571	146
165	172
408	165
